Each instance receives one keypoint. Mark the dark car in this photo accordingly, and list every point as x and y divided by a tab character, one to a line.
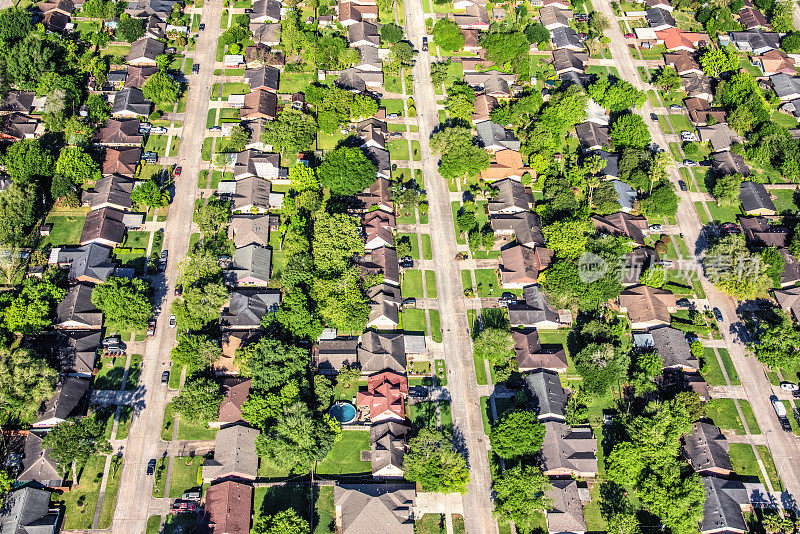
418	391
164	378
718	315
151	467
653	116
785	424
178	290
691	337
202	26
683	303
406	262
424	44
682	185
731	228
195	68
248	10
507	298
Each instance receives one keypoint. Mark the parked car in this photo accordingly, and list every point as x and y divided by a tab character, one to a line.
688	136
178	171
163	257
151	328
676	107
178	290
202	26
691	337
165	378
184	507
418	391
151	467
682	185
789	386
248	10
406	262
196	68
424	44
630	36
717	314
689	163
215	129
173	322
410	302
653	116
785	424
110	341
190	496
655	227
507	298
684	303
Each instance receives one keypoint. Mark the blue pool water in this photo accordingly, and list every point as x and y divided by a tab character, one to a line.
344	412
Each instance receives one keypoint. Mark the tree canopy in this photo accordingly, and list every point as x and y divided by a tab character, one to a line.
447	35
199	399
517	434
73	442
293	131
433	463
26	380
731	266
519	492
346	171
125	303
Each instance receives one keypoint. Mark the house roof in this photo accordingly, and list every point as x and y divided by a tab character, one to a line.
119	132
247	229
363	31
250	261
636	262
525	225
373	130
723	505
37	464
592	135
131	100
384	302
521	264
697	85
543	387
27	511
789	300
754	196
364	507
379	352
78	351
626	195
676	38
19	126
707	448
335	353
720	135
776	61
356	80
90	261
385	393
263	77
785	86
137	76
621	223
234	453
493	82
252	191
756	39
267	8
507	163
378	193
145	48
380	158
260	102
565	513
511	196
683	61
268	33
700	109
535	309
750	17
228	507
573	449
105	224
248	306
759	232
550	15
492	135
484	104
529	351
475	15
645	304
659	18
673	348
77	306
565	38
387	444
18	101
66	399
382	260
565	59
121	161
791	268
113	189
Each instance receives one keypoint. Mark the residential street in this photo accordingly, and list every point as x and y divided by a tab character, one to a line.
782	445
462	383
144	441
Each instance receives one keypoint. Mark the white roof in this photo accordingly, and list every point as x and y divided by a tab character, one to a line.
236	99
228	188
645	33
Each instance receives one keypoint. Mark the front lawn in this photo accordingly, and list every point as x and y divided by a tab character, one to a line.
66	230
412	284
713	374
393	105
414	243
744	462
110	374
110	495
157	144
345	456
430	284
80	502
486	281
723	413
398	150
413	320
184	474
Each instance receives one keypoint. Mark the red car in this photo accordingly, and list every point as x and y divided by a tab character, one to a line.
630	36
184	507
177	172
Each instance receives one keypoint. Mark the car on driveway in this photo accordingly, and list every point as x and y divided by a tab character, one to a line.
676	107
507	298
202	26
406	262
410	302
184	507
178	171
690	163
688	136
684	303
215	129
630	36
172	321
424	44
110	341
682	185
718	315
656	228
789	386
151	467
178	290
196	68
653	116
165	378
151	328
418	391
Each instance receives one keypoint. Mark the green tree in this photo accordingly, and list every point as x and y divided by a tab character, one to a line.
26	381
150	194
439	71
199	399
778	343
195	352
363	106
272	363
199	306
32	309
447	35
346	171
791	43
667	79
617	96
503	47
198	269
28	161
601	366
401	55
629	130
15	24
433	463
734	269
519	493
726	189
284	522
29	61
568	238
129	28
125	303
661	202
341	301
496	346
323	390
6	481
537	33
297	439
715	61
77	165
293	131
303	178
337	238
653	276
18	210
296	314
73	442
161	88
460	101
238	139
213	216
517	434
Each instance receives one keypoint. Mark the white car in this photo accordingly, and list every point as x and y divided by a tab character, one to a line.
172	321
656	227
789	386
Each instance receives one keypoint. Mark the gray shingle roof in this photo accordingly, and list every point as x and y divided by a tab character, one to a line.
250	261
234	454
569	449
387	444
525	225
723	506
546	394
131	100
565	514
266	77
248	306
659	18
78	352
27	511
754	196
592	135
366	506
707	448
535	309
145	48
491	135
66	399
77	306
511	196
379	352
565	38
673	348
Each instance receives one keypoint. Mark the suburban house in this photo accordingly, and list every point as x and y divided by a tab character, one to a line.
144	52
387	449
720	136
755	41
228	506
384	302
260	104
27	510
118	133
268	34
566	38
530	354
254	195
684	62
520	265
492	82
725	501
250	163
706	448
350	13
363	34
330	355
759	233
236	391
592	136
506	164
565	60
533	310
135	77
379	226
636	262
785	86
379	194
381	352
565	513
494	137
700	110
697	86
234	454
789	301
248	306
373	132
755	199
30	463
791	268
524	227
103	226
626	195
775	62
677	39
265	77
475	18
66	402
359	81
730	163
266	11
17	102
130	103
76	352
359	508
76	311
659	19
621	224
250	266
380	158
122	161
675	352
545	394
251	229
510	196
384	399
110	191
382	260
647	307
751	18
568	451
552	17
91	263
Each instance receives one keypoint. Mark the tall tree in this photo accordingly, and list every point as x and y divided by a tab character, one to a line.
433	463
517	434
195	352
26	381
519	493
346	171
125	303
272	363
447	35
337	238
199	399
73	442
731	266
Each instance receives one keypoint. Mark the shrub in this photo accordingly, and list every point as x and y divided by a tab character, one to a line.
661	247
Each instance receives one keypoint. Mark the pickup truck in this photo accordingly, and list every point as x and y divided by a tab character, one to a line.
780	409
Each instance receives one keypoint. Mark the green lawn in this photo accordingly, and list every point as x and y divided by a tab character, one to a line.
398	150
412	284
156	143
414	243
184	474
713	374
326	513
785	200
769	467
733	376
136	240
427	249
153	524
480	369
436	325
110	496
110	374
413	320
393	105
160	478
134	370
680	123
80	503
327	141
723	413
722	214
345	456
430	284
429	524
744	462
191	430
293	82
749	417
487	283
124	424
234	88
393	84
66	230
422	415
701	212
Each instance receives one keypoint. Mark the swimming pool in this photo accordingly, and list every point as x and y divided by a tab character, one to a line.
344	412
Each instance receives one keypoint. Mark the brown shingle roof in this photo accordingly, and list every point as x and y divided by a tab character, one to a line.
228	508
